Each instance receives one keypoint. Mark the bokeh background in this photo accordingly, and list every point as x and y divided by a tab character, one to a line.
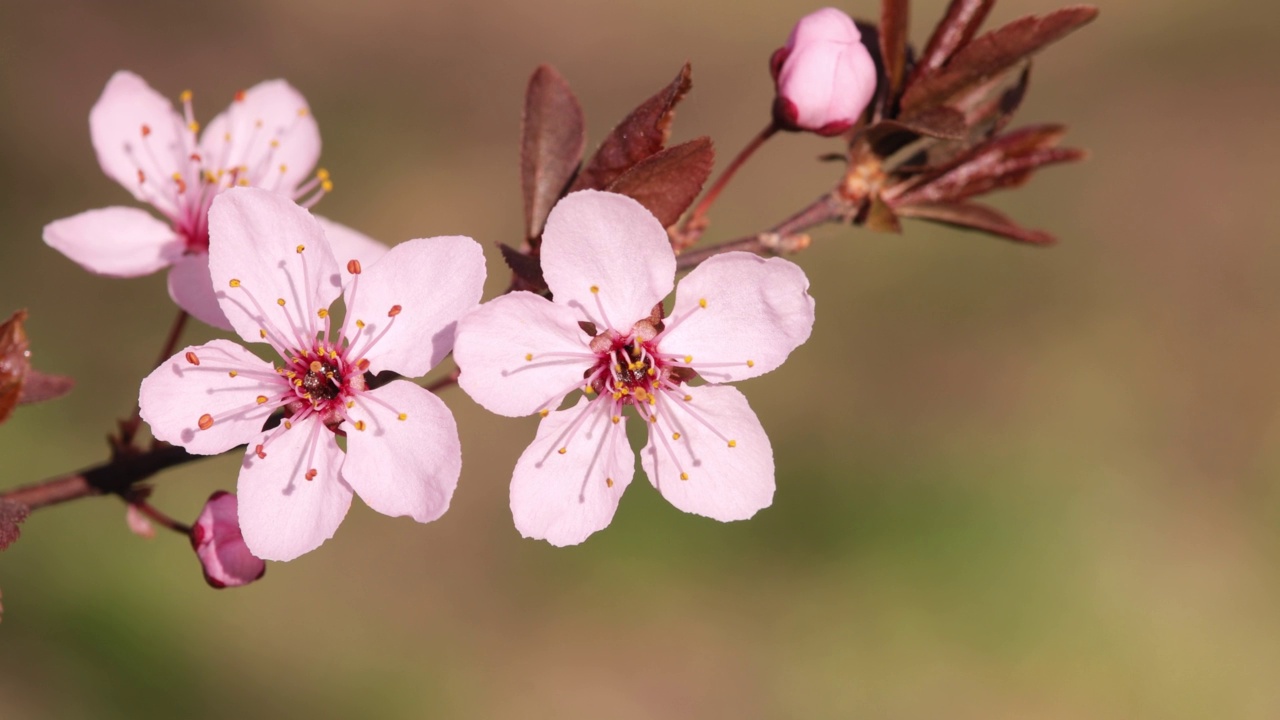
1012	482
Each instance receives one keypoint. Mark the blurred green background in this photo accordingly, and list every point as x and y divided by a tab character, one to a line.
1012	482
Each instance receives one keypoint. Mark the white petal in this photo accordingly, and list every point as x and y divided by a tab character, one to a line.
756	312
348	244
428	284
564	498
521	353
406	466
611	243
116	126
115	241
254	236
282	513
725	483
178	394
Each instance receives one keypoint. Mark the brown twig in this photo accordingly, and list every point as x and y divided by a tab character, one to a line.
786	236
112	477
696	223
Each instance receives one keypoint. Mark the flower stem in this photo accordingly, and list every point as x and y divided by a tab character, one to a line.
160	518
786	236
697	222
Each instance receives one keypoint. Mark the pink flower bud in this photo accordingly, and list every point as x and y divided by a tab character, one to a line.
824	75
217	541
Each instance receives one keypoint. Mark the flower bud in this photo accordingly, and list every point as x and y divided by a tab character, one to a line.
824	75
217	541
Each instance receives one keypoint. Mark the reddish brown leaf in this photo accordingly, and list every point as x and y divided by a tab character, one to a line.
668	181
14	362
888	136
11	516
641	134
881	218
974	216
989	172
974	160
526	267
993	53
955	30
994	113
552	138
40	387
894	22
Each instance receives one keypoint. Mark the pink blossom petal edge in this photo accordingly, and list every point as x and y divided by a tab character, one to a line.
270	111
730	470
284	514
521	353
216	538
348	244
403	452
740	314
192	290
115	241
411	299
261	279
564	497
608	257
180	397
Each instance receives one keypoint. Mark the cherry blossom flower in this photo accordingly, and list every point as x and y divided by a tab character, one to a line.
277	278
825	76
216	538
608	264
267	138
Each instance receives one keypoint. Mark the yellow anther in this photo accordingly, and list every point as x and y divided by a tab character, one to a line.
302	112
652	372
301	248
323	313
283	168
617	395
544	412
608	481
360	425
322	174
359	323
684	476
193	126
402	417
233	373
687	398
243	182
688	359
675	436
653	399
262	399
528	356
262	333
235	283
653	418
733	443
751	363
226	137
276	144
288	425
616	419
280	302
185	96
298	382
595	289
563	450
315	366
589	390
326	185
702	302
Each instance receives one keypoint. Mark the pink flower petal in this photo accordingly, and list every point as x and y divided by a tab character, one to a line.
427	284
270	128
138	522
348	244
115	241
609	242
176	396
116	125
565	497
216	538
192	290
521	353
282	513
724	483
827	76
757	311
406	466
254	236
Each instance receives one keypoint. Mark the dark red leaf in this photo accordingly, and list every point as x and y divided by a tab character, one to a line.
894	22
40	387
974	216
641	134
993	53
14	362
888	136
992	115
954	31
552	138
668	182
11	516
526	267
990	172
978	161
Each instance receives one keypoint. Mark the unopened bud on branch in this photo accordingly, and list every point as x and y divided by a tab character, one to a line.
824	75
